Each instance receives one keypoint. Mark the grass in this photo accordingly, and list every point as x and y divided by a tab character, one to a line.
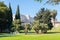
33	37
54	34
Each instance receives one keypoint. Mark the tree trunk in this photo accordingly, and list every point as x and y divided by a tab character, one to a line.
26	31
44	31
37	31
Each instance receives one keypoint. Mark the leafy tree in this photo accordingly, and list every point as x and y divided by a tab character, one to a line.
53	14
2	4
39	14
27	27
4	12
50	1
43	19
36	26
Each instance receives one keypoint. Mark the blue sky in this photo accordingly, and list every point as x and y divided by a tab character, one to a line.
31	7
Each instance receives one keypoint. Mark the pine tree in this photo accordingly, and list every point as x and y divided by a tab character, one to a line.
44	17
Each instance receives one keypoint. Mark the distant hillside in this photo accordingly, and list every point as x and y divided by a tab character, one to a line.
25	18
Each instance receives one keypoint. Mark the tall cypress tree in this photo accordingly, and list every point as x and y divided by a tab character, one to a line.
10	19
17	21
10	11
17	16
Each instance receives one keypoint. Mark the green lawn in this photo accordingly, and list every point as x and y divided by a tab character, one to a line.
32	37
51	35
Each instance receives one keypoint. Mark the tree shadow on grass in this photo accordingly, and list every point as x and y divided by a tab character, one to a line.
40	33
5	35
52	32
10	35
28	32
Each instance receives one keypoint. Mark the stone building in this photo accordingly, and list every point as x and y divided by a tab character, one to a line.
55	22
